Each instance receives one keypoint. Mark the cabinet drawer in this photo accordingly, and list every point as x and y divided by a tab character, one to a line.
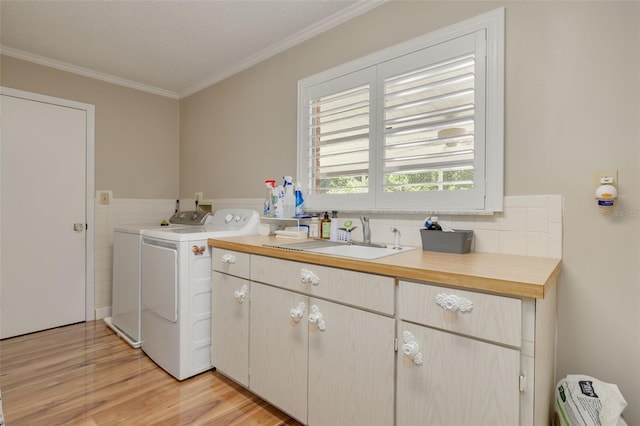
368	291
485	316
230	262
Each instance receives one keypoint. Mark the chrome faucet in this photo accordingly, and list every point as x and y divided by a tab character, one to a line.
366	230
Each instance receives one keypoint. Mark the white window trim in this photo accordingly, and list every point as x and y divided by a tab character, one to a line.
493	23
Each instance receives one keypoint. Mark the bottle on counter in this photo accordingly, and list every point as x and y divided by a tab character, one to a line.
434	226
268	199
278	202
333	230
325	226
314	227
299	201
289	201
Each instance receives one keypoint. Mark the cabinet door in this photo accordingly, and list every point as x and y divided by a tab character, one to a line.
230	326
351	367
461	381
278	349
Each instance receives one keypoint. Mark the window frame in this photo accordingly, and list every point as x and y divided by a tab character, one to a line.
492	23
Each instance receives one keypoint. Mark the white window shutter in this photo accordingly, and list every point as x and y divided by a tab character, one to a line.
415	127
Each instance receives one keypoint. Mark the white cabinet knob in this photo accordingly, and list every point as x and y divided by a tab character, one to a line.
453	303
228	259
411	348
241	295
297	313
315	317
308	277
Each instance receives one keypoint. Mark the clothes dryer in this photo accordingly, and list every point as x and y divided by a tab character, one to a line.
176	290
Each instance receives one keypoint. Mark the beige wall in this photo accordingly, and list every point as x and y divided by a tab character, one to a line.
572	108
136	136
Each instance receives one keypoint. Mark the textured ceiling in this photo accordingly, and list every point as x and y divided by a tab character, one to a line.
173	47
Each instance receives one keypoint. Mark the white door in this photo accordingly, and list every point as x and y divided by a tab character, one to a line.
43	191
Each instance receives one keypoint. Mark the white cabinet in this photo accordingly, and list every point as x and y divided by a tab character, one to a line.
351	367
446	374
337	347
323	362
230	314
279	346
230	326
460	381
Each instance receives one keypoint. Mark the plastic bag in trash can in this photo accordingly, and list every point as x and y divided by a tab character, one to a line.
586	401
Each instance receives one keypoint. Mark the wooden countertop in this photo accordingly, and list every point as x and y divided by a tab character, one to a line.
510	275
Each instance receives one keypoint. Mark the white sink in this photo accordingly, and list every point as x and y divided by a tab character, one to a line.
358	251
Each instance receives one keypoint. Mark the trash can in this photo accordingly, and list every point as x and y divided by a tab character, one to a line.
586	401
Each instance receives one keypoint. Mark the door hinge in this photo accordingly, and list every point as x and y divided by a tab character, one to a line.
523	382
395	344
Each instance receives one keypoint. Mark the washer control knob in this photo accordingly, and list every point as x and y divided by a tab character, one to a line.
237	218
228	218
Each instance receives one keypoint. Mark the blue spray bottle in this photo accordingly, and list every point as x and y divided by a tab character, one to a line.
299	201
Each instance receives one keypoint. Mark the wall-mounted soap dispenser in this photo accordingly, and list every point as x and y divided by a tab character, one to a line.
607	188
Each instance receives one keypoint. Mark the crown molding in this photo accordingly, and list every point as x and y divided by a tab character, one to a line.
319	27
85	72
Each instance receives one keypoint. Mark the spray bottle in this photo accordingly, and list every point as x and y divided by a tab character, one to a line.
299	201
278	201
289	201
268	200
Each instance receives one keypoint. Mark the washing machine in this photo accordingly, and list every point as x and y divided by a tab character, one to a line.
176	290
125	319
125	288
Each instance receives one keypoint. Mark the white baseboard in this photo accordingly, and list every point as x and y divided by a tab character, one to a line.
103	312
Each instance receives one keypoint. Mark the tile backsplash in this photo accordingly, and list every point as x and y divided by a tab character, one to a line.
529	225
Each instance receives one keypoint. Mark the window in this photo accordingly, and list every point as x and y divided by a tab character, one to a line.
412	128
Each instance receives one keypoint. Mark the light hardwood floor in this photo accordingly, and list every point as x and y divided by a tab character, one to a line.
83	374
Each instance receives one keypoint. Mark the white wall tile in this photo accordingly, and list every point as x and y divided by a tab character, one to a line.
488	223
513	219
513	242
537	219
518	201
537	244
464	222
556	208
540	201
486	241
555	240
